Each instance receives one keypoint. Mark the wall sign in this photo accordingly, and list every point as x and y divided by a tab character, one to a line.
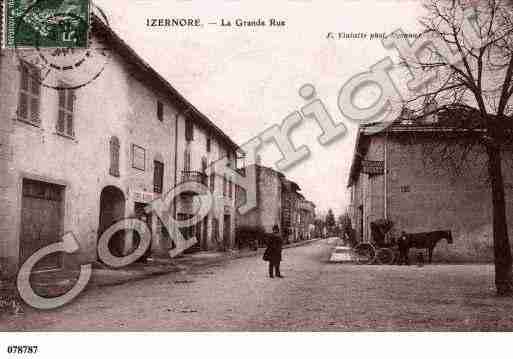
138	157
373	167
143	196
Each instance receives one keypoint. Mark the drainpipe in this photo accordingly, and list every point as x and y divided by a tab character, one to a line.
385	174
177	115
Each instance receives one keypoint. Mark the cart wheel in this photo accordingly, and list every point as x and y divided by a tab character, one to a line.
385	256
365	253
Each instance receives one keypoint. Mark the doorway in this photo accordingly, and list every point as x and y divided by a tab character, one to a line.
140	213
227	231
204	240
42	216
112	209
360	224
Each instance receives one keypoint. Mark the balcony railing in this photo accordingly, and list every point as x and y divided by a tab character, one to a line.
194	176
306	206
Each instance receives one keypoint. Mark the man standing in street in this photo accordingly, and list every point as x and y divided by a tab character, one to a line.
273	252
404	247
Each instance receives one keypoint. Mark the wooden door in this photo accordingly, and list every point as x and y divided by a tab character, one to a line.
227	231
204	242
41	221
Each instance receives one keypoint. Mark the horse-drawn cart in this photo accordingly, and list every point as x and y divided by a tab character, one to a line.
367	253
386	252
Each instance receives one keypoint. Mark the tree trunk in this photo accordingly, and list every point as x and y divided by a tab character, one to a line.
501	246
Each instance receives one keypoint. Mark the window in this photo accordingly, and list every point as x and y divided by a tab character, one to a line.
215	230
189	130
138	157
230	188
225	182
405	189
209	144
212	179
30	94
203	165
114	156
160	111
66	109
158	176
204	178
187	160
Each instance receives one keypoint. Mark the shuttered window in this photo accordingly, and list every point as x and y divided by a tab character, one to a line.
189	130
187	161
158	176
160	111
114	156
209	143
30	95
212	179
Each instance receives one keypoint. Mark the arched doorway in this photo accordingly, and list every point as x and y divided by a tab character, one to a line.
112	209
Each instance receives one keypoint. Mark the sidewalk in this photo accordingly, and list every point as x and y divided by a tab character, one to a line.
104	276
55	283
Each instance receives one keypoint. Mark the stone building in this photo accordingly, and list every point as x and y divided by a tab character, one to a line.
290	219
306	219
278	203
78	160
427	175
268	211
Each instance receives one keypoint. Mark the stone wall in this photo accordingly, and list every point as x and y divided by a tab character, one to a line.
429	192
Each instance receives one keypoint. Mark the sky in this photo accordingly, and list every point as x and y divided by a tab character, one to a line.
246	79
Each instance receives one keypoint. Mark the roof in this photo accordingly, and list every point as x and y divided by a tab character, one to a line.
265	168
291	185
287	183
454	121
148	74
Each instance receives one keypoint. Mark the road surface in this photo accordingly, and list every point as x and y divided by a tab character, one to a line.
315	295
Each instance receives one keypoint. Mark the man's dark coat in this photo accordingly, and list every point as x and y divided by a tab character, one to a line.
274	246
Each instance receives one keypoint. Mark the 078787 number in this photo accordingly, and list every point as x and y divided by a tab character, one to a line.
22	349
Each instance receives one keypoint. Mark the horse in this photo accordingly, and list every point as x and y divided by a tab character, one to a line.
428	240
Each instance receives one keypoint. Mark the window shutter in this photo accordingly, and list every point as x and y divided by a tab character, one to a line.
23	106
30	92
189	130
160	111
187	161
158	176
65	119
212	180
114	157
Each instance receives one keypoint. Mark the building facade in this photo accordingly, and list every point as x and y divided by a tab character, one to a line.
426	176
278	203
79	160
306	219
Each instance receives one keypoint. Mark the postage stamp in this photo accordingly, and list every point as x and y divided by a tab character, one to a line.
54	43
47	23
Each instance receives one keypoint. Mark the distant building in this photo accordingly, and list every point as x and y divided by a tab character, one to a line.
425	176
306	219
278	203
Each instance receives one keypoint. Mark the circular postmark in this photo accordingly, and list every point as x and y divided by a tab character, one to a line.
53	44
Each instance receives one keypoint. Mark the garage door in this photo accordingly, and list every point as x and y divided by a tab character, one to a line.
41	221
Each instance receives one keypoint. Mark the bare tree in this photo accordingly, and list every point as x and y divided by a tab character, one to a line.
467	68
